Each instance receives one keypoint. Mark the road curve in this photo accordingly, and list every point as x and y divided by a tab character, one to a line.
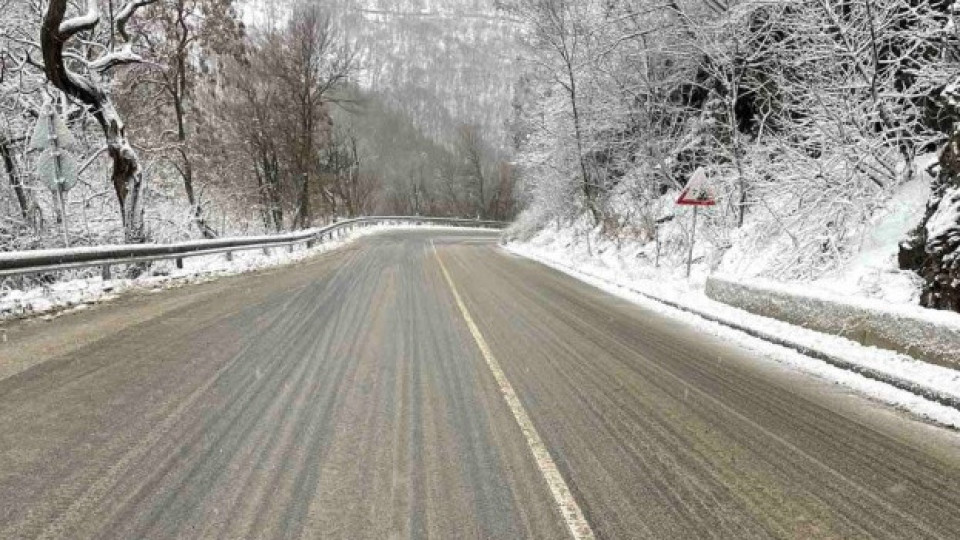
356	396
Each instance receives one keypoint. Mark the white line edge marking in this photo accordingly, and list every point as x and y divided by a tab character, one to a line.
570	510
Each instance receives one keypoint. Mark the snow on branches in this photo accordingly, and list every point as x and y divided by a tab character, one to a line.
808	115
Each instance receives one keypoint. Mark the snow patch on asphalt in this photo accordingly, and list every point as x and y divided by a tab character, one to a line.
610	280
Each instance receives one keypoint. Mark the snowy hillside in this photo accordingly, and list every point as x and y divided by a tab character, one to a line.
865	263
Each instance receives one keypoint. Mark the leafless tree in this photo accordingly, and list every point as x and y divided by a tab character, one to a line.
473	151
311	61
184	37
350	189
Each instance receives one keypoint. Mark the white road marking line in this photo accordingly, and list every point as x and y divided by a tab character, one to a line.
572	515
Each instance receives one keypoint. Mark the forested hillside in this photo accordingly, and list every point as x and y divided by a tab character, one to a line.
443	62
811	119
199	118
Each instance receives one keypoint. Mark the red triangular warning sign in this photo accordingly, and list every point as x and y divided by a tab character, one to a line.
698	191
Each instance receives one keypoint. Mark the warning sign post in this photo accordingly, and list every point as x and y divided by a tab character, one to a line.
698	192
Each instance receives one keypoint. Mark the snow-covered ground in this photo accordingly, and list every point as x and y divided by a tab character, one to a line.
616	271
867	270
80	292
872	272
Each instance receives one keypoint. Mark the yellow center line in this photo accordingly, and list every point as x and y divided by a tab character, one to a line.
569	509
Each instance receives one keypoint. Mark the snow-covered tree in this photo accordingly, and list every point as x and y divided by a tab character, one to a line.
82	68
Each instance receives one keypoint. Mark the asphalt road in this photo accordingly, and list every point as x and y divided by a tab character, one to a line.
429	385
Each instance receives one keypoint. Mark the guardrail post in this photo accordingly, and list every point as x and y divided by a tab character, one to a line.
179	263
229	256
105	272
290	248
266	251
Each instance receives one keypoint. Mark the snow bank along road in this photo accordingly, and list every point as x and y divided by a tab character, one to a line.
392	389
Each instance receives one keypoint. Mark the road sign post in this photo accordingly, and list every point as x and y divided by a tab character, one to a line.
693	237
59	195
698	192
56	166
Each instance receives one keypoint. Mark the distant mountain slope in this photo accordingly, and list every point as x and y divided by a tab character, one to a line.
442	62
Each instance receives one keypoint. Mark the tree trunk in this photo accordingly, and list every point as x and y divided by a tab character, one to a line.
265	206
268	176
23	199
127	176
178	91
272	172
590	190
186	173
303	203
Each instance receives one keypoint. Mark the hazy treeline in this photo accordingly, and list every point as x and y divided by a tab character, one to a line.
807	115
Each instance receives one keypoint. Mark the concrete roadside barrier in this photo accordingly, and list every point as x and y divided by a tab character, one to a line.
929	335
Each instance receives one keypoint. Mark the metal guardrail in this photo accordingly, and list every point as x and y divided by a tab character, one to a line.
18	263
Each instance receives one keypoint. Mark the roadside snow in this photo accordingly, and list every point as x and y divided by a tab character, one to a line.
927	334
608	273
73	294
873	271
